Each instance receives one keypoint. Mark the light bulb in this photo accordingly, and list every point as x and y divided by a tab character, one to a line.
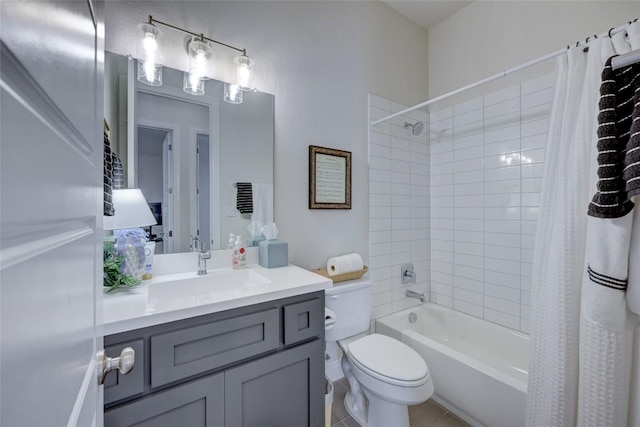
193	79
199	58
232	93
243	75
244	72
201	64
192	84
149	43
149	70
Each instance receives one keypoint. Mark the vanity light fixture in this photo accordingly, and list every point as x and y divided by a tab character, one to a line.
199	52
232	93
244	72
149	53
192	84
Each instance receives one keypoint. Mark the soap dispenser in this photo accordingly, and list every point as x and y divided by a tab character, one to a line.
239	256
231	241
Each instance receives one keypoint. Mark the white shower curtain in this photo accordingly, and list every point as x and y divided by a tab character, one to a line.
569	182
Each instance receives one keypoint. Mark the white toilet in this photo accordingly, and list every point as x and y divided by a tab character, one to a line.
391	374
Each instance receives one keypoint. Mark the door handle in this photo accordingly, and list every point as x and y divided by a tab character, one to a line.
124	363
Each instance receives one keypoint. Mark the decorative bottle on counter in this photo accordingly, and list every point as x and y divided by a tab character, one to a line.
239	257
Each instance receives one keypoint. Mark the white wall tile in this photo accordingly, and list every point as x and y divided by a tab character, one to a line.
538	83
502	95
503	319
467	106
502	108
460	201
468	308
460	143
533	99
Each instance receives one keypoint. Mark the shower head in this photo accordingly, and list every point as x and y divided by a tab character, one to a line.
416	128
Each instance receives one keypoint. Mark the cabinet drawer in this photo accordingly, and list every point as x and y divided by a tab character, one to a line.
118	386
190	351
303	320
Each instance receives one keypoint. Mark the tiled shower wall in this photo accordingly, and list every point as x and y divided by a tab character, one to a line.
486	166
460	201
398	206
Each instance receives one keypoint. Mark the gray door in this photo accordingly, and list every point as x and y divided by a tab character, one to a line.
50	212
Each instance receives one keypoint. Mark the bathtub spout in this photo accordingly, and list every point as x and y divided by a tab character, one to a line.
416	295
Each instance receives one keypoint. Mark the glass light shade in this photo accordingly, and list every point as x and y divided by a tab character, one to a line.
244	72
192	84
150	54
232	93
131	210
200	63
150	44
149	73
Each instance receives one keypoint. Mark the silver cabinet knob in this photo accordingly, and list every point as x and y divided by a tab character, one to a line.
124	363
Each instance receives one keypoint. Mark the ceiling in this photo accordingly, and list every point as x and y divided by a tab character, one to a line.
427	13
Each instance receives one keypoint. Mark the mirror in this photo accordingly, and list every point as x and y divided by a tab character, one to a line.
186	153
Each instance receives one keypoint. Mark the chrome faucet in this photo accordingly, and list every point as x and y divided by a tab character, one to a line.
196	244
203	256
416	295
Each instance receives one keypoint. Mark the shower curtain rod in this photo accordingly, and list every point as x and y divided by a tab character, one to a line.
626	59
497	76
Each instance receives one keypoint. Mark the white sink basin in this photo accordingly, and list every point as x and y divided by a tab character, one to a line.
217	284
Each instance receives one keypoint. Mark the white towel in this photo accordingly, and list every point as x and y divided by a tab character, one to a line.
262	208
606	326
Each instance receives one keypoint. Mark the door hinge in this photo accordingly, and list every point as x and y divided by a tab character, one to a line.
170	233
171	191
170	147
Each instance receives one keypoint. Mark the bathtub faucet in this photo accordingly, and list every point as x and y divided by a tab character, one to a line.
416	295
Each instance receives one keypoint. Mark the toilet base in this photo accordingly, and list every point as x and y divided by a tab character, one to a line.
383	413
380	413
357	415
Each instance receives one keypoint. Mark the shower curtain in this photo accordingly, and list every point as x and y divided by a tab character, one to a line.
564	371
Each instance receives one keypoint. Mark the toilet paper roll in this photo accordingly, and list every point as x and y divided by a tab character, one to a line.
329	319
344	264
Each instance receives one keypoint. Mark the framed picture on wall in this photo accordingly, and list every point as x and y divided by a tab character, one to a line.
329	178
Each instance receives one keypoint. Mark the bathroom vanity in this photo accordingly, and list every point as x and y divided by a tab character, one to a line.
252	355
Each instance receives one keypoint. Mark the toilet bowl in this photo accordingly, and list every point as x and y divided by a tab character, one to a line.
384	374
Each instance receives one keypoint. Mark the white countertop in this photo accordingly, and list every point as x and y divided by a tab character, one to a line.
143	306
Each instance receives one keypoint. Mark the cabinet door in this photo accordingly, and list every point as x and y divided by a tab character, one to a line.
197	403
284	389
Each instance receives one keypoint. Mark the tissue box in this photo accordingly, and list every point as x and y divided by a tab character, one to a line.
273	253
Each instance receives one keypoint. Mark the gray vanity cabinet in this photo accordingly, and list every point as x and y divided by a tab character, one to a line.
256	366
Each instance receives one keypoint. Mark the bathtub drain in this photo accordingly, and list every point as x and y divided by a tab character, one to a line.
413	317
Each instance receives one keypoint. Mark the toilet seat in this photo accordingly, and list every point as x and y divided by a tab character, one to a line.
389	360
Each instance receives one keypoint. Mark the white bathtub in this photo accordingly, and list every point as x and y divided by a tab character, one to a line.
479	369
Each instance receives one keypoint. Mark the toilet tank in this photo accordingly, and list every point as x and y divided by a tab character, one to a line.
351	303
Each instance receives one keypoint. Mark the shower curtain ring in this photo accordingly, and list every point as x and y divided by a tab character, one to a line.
610	31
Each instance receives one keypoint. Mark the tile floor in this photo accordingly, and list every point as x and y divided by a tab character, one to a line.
428	414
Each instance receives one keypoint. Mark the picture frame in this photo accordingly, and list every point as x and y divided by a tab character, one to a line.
329	178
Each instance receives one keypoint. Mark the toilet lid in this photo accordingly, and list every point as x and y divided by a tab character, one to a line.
388	357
